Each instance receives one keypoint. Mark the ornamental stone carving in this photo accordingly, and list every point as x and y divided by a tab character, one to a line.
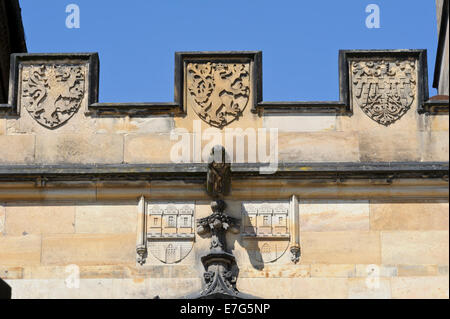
169	233
384	89
52	93
265	230
220	91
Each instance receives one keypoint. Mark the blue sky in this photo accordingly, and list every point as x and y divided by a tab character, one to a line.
136	39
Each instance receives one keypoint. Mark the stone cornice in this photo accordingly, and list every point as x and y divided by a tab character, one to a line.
189	172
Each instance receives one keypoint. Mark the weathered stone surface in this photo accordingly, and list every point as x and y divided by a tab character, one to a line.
420	287
369	288
344	247
300	122
125	125
21	153
153	148
2	126
106	218
38	218
7	272
399	146
336	270
79	148
20	250
435	146
364	270
334	216
88	249
29	289
276	271
418	270
2	219
296	288
415	247
318	147
409	216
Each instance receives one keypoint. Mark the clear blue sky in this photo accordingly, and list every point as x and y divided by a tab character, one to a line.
136	39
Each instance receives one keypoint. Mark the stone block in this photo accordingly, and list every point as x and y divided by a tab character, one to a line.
369	288
333	270
318	147
300	122
317	216
39	218
106	218
414	247
409	216
20	250
79	148
420	287
17	149
88	249
394	146
343	247
435	146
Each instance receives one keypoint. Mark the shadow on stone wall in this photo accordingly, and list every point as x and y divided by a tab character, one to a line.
5	290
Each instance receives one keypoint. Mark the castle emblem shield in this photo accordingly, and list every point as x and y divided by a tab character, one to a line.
220	91
384	89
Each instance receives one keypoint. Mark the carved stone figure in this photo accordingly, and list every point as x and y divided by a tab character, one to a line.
220	91
384	89
52	93
218	179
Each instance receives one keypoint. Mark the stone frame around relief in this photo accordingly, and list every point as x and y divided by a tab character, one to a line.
254	58
346	56
89	59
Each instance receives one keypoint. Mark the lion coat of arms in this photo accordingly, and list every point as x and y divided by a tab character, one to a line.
52	93
383	89
220	91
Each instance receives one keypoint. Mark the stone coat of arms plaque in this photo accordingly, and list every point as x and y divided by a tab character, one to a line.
384	89
220	91
52	93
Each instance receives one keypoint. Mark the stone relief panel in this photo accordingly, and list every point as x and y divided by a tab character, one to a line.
219	92
170	230
52	93
384	89
265	229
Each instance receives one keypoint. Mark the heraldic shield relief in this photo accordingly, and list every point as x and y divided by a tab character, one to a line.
265	230
170	231
52	93
220	91
384	89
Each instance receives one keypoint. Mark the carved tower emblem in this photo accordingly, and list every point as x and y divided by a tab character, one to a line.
52	93
169	233
383	89
220	91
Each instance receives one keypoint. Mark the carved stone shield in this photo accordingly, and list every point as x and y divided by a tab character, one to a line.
220	91
265	230
170	229
52	93
384	90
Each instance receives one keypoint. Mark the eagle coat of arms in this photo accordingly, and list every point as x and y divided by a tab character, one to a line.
52	93
220	91
384	90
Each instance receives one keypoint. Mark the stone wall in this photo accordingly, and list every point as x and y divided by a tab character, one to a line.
72	173
350	249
